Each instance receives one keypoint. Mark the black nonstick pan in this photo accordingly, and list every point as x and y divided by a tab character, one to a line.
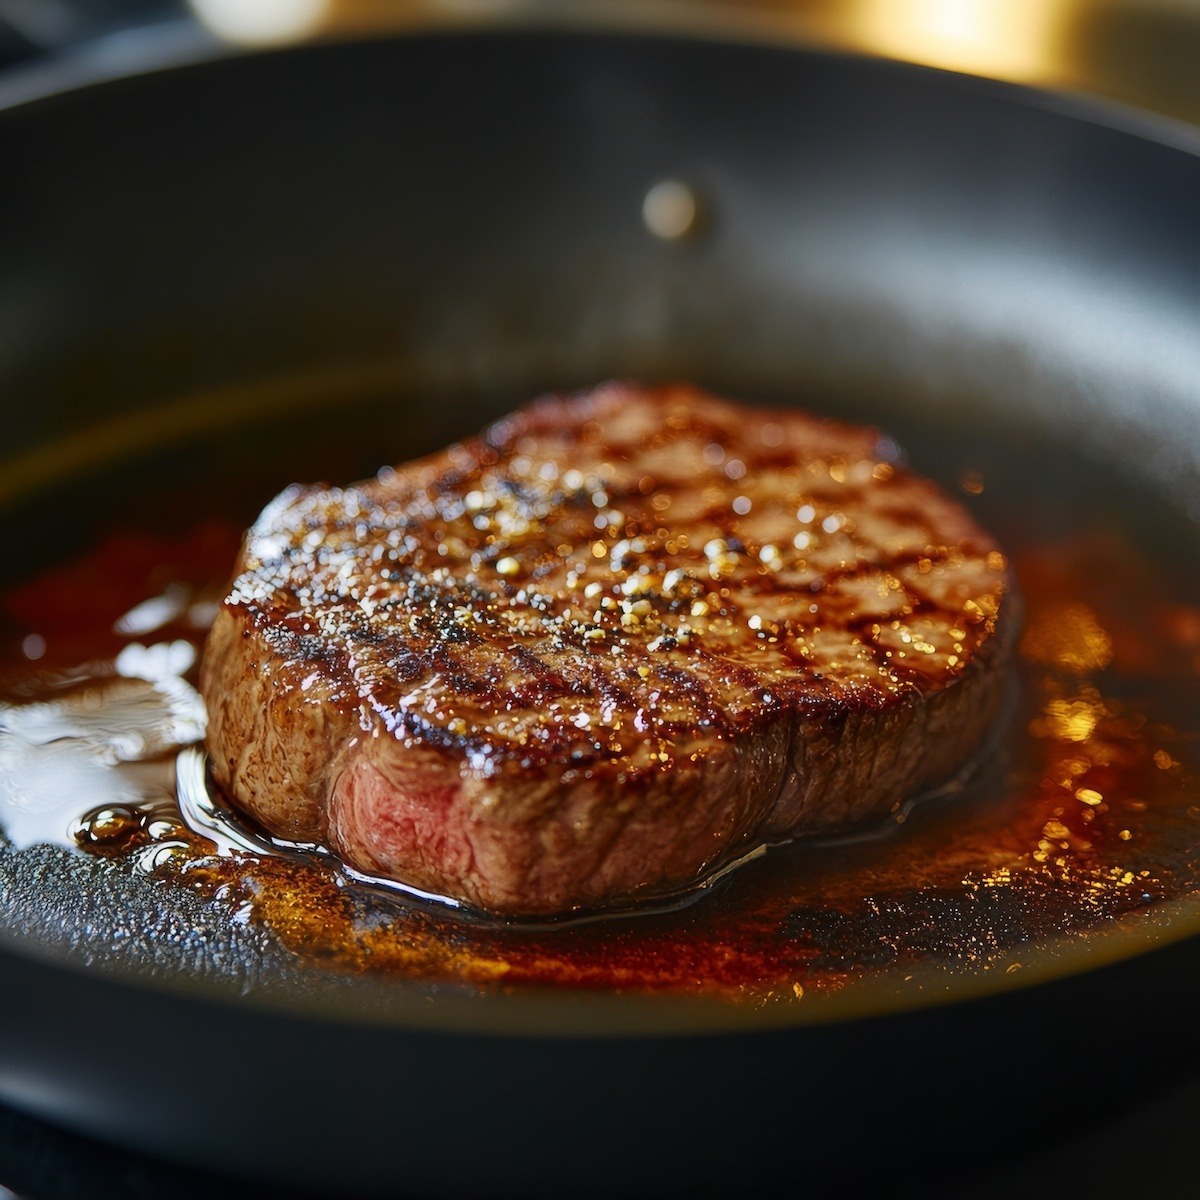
220	276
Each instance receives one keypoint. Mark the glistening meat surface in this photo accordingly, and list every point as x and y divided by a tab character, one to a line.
604	647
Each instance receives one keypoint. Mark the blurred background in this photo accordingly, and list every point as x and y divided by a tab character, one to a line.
1144	53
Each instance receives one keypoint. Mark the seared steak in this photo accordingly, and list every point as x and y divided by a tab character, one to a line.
610	643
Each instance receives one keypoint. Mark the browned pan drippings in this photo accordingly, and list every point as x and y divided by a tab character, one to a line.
1084	810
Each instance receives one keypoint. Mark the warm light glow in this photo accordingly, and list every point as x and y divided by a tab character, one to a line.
1015	39
262	22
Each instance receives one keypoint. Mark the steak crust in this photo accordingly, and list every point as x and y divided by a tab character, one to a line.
595	652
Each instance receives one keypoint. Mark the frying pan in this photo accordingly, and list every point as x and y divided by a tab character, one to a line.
454	220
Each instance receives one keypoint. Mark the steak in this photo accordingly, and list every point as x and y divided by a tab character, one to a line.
603	648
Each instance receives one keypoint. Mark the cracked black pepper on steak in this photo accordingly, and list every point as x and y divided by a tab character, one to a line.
613	642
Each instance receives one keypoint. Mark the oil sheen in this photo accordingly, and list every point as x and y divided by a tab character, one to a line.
1084	813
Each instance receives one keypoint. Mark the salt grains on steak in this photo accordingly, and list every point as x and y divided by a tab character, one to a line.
603	648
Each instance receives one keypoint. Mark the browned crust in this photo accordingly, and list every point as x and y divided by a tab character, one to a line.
833	771
616	595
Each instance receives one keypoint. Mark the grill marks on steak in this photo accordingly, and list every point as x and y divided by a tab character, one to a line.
604	646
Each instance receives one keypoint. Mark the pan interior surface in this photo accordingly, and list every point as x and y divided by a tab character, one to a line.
344	256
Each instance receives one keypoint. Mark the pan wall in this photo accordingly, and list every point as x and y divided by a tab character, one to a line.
456	220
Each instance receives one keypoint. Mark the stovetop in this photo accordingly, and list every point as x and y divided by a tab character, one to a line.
1148	1151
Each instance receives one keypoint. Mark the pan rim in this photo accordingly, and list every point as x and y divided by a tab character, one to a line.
173	46
523	1013
405	1006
